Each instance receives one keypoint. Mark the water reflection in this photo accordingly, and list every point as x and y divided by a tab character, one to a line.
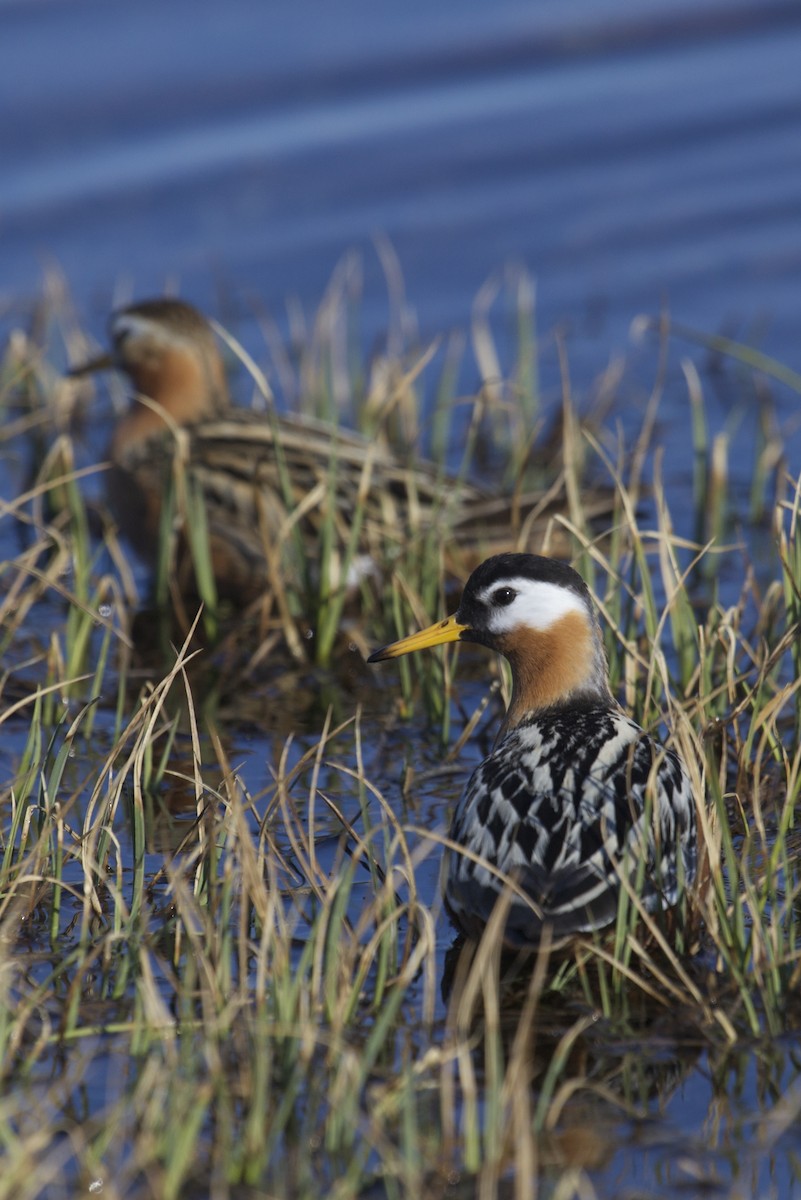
626	1092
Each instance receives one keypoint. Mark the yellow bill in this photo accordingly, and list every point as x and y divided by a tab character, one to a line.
449	630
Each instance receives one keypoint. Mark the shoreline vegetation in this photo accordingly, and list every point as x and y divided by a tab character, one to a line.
235	980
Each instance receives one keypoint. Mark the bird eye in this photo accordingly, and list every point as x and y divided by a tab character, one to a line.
503	596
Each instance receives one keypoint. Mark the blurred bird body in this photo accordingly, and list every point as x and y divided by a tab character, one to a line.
261	478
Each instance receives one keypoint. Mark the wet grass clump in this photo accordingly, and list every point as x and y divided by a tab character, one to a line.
224	965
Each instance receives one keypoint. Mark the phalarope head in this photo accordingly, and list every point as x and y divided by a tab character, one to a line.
539	614
169	352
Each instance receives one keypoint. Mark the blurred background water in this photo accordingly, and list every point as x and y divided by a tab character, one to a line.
628	155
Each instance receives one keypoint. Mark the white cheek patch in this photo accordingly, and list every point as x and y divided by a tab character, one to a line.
537	605
131	325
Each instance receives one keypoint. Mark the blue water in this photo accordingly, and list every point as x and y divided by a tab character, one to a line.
628	155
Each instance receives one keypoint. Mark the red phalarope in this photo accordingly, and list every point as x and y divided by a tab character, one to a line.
574	794
259	474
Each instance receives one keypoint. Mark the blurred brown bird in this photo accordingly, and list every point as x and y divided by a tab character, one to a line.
261	478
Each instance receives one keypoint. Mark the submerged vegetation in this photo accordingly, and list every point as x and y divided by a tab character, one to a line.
228	973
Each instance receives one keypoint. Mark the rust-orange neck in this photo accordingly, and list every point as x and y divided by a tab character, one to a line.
188	387
553	666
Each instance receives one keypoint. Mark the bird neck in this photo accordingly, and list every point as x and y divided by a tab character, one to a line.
188	387
556	666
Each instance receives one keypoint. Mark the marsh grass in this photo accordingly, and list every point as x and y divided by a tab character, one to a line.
214	989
